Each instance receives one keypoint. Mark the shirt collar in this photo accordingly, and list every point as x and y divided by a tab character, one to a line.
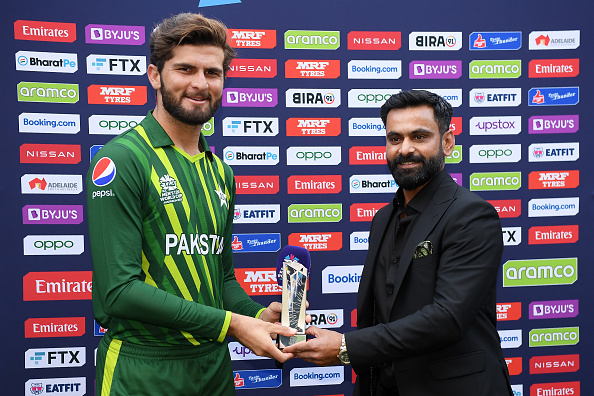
159	138
423	197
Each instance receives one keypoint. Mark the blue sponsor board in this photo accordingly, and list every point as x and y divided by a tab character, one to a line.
247	243
251	379
93	150
99	331
553	96
495	41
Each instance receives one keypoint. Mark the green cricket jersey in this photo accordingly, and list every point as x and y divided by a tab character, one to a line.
160	233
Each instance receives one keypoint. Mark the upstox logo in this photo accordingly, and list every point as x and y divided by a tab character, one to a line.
46	62
495	181
311	39
554	336
315	213
495	69
540	272
47	92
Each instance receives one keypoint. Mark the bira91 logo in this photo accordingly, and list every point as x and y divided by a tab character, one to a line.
514	365
54	286
509	311
54	327
114	34
364	211
50	153
541	235
317	241
296	68
556	388
551	68
507	208
45	31
258	281
252	68
362	40
367	155
327	318
117	94
73	386
250	97
312	98
260	184
554	364
435	41
313	126
539	180
251	38
314	184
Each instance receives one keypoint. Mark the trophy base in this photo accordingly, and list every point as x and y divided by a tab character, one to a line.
284	341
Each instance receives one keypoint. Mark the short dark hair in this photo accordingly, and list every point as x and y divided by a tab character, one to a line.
442	110
188	28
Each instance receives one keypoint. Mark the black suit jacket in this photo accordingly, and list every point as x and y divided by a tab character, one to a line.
441	338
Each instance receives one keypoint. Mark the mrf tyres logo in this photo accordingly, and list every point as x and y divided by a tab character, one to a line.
539	180
297	68
554	336
540	272
496	181
251	38
341	279
258	281
317	241
312	39
315	213
328	98
117	94
313	126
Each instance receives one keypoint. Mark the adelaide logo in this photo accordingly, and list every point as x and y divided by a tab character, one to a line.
104	172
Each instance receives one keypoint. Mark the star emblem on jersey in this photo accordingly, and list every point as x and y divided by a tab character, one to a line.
169	191
222	195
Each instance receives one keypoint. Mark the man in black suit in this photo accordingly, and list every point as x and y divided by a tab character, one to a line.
426	305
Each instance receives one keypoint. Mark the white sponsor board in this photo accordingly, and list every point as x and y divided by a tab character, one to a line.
248	214
53	245
112	124
359	240
55	357
341	279
312	155
116	64
254	155
370	98
314	376
49	123
51	184
554	39
497	125
510	338
252	126
495	153
495	97
434	41
326	318
74	386
553	207
453	95
553	152
375	69
366	127
512	236
328	98
518	390
53	62
366	184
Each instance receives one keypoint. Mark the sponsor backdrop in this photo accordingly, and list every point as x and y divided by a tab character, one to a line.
300	126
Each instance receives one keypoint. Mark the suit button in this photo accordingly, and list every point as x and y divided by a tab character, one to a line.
390	289
395	260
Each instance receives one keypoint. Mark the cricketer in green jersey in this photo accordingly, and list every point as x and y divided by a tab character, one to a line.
160	210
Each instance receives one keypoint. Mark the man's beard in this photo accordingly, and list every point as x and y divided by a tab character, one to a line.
412	178
194	117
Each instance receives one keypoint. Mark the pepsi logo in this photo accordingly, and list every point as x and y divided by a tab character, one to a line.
104	172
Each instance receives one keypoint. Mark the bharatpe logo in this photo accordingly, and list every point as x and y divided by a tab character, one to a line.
452	96
51	184
253	379
510	338
341	279
554	309
373	98
248	243
52	214
239	352
456	156
495	97
47	92
553	152
375	69
112	124
554	124
553	207
310	39
250	97
496	181
366	127
315	213
495	69
329	98
53	245
498	153
243	155
485	41
554	336
327	318
554	96
551	39
365	184
512	236
435	70
251	38
254	126
53	62
49	123
503	125
314	376
310	155
116	64
540	272
73	386
435	41
55	357
248	214
114	34
359	240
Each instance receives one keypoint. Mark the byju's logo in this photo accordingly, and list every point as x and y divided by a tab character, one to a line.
499	153
553	207
553	152
554	337
540	272
341	279
52	214
551	39
248	214
554	309
375	69
250	97
435	69
256	126
114	34
55	62
503	125
364	184
49	123
554	124
495	181
315	213
495	97
55	357
116	64
554	96
310	155
47	92
359	240
484	41
236	155
435	41
312	98
314	376
252	38
495	69
370	97
310	39
366	127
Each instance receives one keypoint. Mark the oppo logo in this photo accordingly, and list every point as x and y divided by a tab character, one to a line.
313	155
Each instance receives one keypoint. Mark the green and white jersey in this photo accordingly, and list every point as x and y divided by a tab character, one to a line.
160	232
